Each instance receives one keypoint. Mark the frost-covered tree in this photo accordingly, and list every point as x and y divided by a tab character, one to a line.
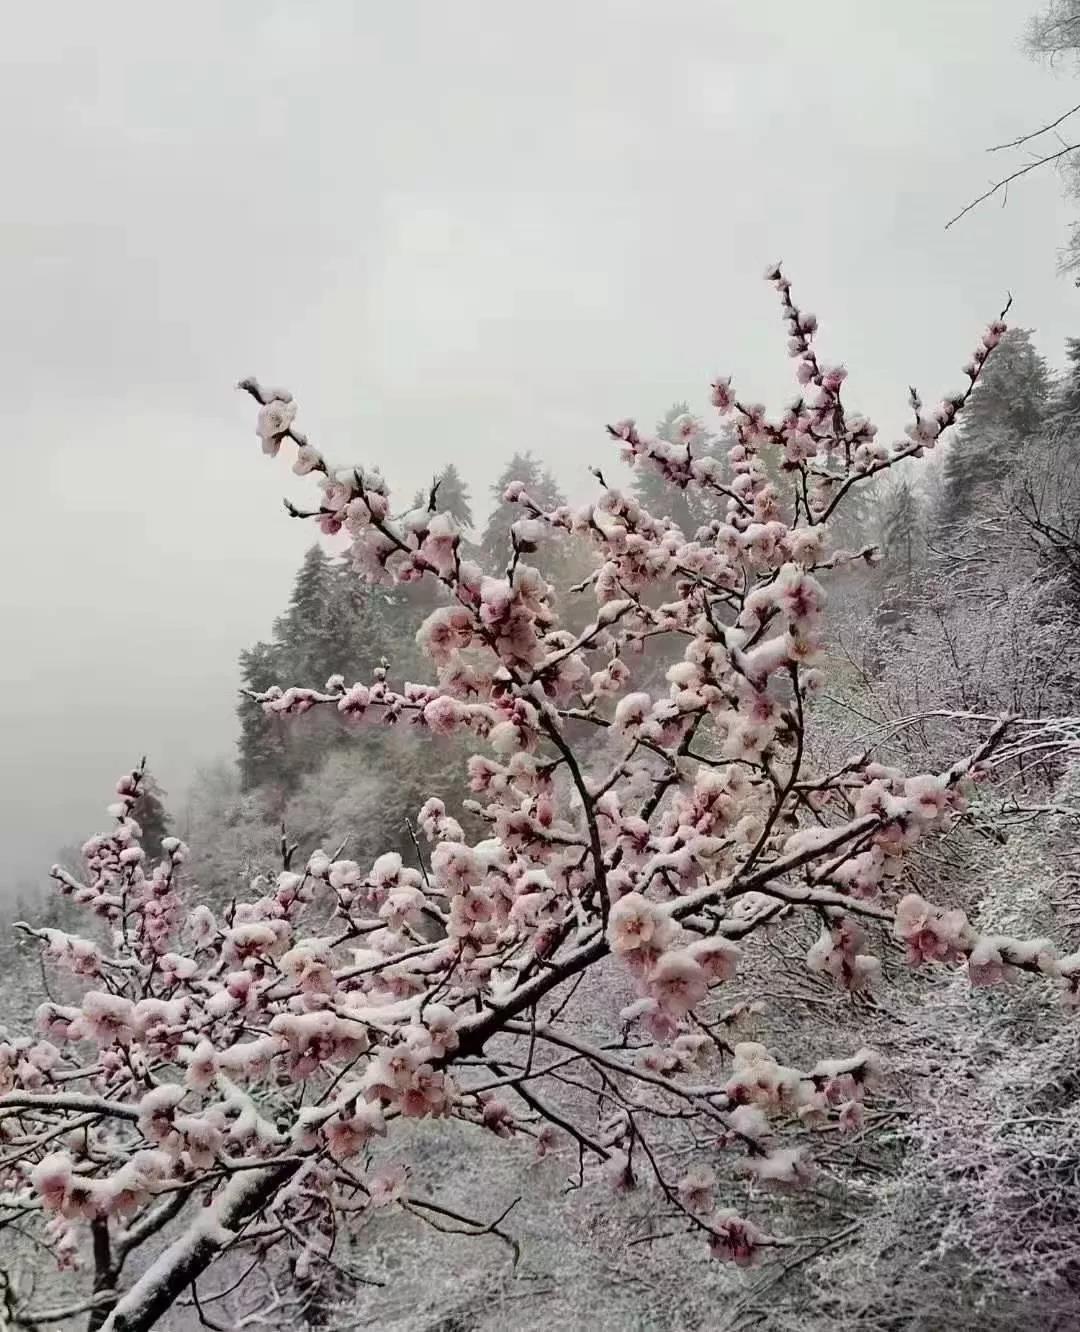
1064	406
302	629
525	474
1053	36
1006	412
973	1225
1054	31
247	1085
262	745
1041	508
453	497
150	814
901	525
335	622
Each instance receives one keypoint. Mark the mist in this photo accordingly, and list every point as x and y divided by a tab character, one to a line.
454	232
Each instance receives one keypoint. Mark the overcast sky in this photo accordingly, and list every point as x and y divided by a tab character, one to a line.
454	230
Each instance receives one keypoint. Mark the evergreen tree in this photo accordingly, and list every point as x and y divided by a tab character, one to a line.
901	526
418	600
688	509
361	624
304	629
1065	401
453	497
1007	409
262	739
272	753
149	813
496	550
336	624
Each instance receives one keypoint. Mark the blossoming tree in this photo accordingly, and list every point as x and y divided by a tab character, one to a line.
208	1085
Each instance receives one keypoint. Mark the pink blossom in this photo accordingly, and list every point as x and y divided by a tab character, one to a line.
619	1172
107	1017
496	1115
440	1024
677	981
387	1185
757	1079
275	419
157	1111
202	926
697	1189
454	866
52	1178
202	1067
837	954
548	1141
348	1133
931	935
851	1116
721	396
631	711
636	923
749	1121
736	1240
445	715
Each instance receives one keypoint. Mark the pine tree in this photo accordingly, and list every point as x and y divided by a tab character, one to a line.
361	621
271	753
901	524
336	623
453	497
1007	409
1065	401
262	741
149	813
302	631
496	549
688	509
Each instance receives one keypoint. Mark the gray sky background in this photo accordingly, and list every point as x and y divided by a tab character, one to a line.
454	230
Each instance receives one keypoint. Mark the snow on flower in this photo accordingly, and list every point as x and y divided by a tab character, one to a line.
930	933
837	954
787	1168
349	1131
697	1189
52	1178
202	1066
275	420
631	711
677	981
636	923
736	1240
757	1079
387	1185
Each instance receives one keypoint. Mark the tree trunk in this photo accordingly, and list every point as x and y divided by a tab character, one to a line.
104	1273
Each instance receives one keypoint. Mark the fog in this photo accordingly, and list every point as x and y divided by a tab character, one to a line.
453	231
